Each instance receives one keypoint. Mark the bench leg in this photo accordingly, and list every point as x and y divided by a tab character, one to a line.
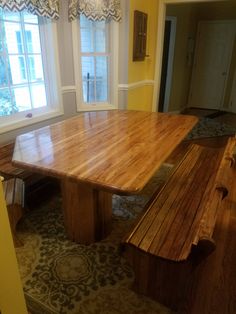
15	212
165	281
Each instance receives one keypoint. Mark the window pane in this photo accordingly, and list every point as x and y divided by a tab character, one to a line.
35	68
86	40
87	68
6	107
38	95
32	38
88	91
3	76
22	98
21	60
2	35
100	41
101	91
101	67
84	22
11	16
14	38
30	18
18	69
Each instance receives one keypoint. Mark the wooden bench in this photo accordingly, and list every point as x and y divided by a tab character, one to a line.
13	190
32	182
175	233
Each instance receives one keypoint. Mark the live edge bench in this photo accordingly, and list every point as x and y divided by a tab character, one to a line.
175	232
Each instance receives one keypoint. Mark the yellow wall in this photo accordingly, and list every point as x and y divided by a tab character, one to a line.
140	98
11	294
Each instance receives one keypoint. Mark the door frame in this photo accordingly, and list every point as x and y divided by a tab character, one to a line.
170	62
232	100
160	41
233	22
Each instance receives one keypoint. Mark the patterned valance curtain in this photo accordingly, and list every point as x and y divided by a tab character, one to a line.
46	8
95	10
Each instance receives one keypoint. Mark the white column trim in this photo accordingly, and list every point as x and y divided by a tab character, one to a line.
68	89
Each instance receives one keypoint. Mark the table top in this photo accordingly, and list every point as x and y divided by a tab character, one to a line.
115	150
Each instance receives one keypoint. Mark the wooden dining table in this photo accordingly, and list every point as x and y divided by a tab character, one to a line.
96	155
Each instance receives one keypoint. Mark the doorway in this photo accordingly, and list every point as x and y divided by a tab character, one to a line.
213	54
160	39
233	94
167	63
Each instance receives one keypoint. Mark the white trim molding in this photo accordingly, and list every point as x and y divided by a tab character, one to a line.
124	87
160	40
68	89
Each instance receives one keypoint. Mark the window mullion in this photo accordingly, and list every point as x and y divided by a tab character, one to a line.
95	78
5	58
26	58
94	64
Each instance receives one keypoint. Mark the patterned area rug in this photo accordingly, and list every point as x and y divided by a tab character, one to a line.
60	276
207	127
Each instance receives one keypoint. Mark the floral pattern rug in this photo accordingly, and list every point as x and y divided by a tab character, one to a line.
60	276
207	127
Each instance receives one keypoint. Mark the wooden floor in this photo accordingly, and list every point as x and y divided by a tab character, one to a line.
215	292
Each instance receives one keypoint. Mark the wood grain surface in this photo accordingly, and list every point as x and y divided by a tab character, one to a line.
178	232
170	225
96	154
116	150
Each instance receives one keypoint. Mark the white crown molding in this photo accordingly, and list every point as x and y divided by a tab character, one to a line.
124	87
68	89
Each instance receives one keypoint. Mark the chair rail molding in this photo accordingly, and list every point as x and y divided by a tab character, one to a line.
125	87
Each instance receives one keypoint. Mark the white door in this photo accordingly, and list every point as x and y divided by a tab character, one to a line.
213	54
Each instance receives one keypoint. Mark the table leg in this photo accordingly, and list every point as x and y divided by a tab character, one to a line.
87	212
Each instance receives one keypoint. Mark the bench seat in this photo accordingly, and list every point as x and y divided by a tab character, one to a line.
8	171
176	229
13	190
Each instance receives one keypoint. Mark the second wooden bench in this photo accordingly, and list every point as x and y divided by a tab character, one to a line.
175	233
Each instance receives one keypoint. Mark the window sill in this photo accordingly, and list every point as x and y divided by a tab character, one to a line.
11	125
95	107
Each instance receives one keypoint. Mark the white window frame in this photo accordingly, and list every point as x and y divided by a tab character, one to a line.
52	80
113	69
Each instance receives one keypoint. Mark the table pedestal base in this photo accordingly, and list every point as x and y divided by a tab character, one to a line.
87	212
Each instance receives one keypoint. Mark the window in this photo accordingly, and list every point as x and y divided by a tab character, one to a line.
28	75
95	49
22	67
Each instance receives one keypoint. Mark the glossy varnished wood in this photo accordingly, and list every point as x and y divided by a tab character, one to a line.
116	150
13	193
97	153
214	290
176	232
87	212
6	167
171	223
